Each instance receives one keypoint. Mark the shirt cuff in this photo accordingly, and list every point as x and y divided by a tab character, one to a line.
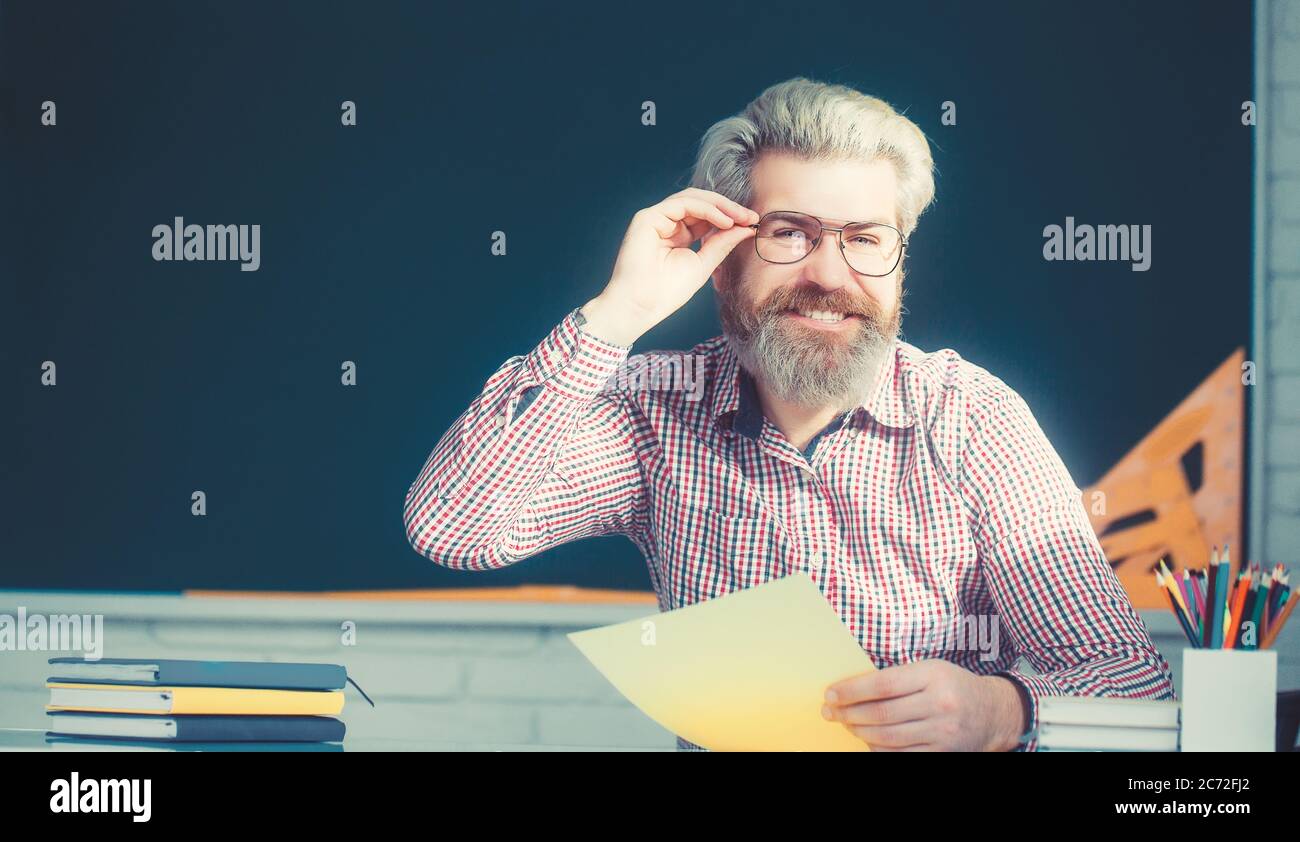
572	362
1034	689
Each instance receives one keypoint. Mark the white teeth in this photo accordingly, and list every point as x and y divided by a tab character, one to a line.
823	315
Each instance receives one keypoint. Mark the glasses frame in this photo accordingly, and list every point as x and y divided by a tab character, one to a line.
839	238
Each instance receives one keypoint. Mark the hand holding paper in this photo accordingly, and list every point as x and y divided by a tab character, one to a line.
743	672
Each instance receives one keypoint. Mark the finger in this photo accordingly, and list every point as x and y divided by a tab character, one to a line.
720	244
687	234
735	209
907	736
887	683
671	216
883	712
690	208
699	229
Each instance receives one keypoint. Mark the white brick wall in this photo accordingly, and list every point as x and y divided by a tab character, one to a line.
1275	399
1275	446
472	674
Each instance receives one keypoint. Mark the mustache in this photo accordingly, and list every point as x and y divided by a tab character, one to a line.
806	298
744	317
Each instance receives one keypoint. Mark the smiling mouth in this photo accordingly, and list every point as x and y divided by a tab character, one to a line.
824	317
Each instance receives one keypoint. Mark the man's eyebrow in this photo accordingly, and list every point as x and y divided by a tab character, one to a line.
872	220
875	220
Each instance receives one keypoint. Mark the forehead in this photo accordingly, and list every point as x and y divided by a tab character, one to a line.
835	191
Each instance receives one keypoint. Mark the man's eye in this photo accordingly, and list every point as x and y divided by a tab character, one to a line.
785	231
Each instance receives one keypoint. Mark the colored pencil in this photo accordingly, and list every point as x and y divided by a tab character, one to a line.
1247	605
1193	601
1221	599
1182	619
1280	599
1255	611
1198	591
1277	595
1276	628
1266	587
1234	611
1211	578
1171	582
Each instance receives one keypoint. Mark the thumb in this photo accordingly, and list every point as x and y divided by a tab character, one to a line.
717	244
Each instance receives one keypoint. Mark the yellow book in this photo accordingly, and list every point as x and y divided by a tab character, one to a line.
139	698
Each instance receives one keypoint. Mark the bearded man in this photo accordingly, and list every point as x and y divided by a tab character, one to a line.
916	489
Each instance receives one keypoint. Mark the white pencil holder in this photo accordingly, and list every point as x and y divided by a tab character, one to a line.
1229	700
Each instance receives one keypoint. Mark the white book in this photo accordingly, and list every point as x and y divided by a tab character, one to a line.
1101	738
96	671
1107	710
128	700
137	727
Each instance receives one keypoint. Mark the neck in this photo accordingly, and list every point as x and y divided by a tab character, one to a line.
797	422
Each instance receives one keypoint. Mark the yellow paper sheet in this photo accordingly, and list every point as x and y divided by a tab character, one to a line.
744	672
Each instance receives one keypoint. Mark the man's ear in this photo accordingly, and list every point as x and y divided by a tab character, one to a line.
722	274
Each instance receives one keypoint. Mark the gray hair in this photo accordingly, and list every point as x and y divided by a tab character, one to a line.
817	121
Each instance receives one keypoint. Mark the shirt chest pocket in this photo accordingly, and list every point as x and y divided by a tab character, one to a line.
704	553
921	557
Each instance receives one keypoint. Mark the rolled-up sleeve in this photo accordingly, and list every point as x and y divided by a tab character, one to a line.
547	453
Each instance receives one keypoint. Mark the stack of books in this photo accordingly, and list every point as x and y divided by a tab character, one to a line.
195	701
1100	723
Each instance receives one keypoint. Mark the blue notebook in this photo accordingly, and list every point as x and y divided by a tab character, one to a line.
170	672
196	728
57	742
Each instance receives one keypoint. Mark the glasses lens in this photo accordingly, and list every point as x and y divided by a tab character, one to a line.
786	237
873	249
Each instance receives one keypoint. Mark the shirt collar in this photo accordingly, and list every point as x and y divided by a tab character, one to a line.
736	406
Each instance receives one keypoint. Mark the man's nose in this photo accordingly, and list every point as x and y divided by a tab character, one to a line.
826	267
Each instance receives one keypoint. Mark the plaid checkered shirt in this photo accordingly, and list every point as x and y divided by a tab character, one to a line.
935	507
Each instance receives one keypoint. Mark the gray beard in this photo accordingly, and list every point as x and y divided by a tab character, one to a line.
810	370
799	365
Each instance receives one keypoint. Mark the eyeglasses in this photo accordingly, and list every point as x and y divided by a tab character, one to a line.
870	248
